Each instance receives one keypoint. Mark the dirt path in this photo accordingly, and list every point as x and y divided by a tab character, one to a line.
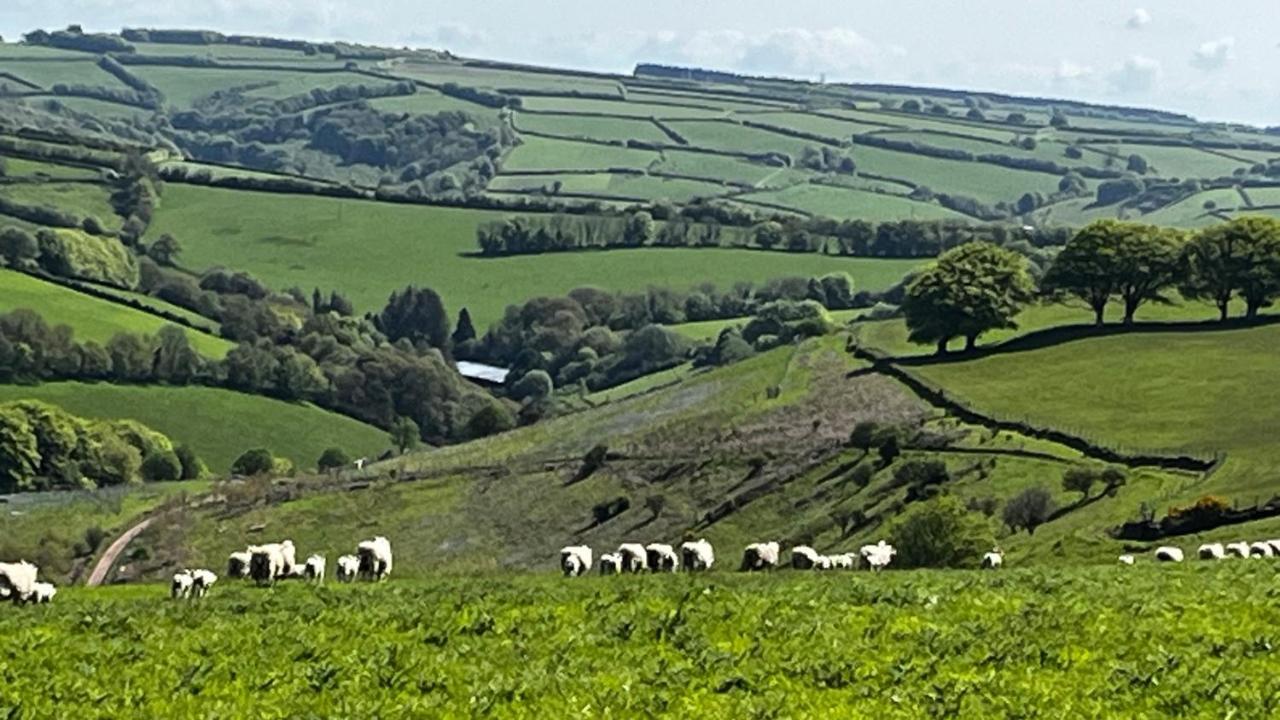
108	559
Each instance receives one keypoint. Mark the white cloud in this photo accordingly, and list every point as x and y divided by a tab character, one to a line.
452	36
1137	75
1139	19
1214	54
785	51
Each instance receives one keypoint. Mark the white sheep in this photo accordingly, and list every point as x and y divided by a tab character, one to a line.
824	563
1126	559
1238	549
804	557
575	560
878	556
43	592
238	564
201	581
314	568
660	557
611	564
1211	551
993	559
697	555
760	556
845	561
180	588
18	581
1260	550
375	558
1275	546
288	554
1168	553
348	568
267	563
634	557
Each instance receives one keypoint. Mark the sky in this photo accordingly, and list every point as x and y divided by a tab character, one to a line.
1214	62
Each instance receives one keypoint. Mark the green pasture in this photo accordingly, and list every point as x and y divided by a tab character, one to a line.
731	137
714	166
81	199
845	203
593	128
21	167
183	86
47	73
618	107
536	153
983	181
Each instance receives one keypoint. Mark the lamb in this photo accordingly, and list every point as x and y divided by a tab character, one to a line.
348	568
238	564
375	558
760	556
1260	550
1126	559
878	556
17	581
314	568
660	557
844	561
267	563
634	557
180	588
575	560
804	557
43	592
1238	549
611	564
201	581
1211	551
1168	553
697	555
993	559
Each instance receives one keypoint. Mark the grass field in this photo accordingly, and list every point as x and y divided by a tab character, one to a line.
851	204
714	166
21	167
311	241
1099	642
536	153
80	199
47	73
988	183
731	137
612	107
182	86
219	424
611	129
91	318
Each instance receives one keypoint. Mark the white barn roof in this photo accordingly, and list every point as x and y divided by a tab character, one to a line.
480	371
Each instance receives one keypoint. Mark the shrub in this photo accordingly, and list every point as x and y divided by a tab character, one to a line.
1079	479
940	533
333	458
192	467
1207	507
163	466
534	386
491	419
252	462
1028	509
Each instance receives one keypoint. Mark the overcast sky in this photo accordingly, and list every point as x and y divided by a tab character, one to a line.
1215	62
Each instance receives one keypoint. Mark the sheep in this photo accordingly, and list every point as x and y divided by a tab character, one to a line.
43	592
1211	551
697	555
1126	559
804	557
660	557
375	558
348	568
267	563
17	581
575	560
760	556
993	559
844	561
201	581
1260	550
824	563
314	569
238	564
1275	546
634	557
878	556
1167	553
1238	549
288	554
611	564
180	588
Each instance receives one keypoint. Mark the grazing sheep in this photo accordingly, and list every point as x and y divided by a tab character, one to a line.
314	569
1211	551
804	557
760	556
180	588
1260	550
993	559
697	555
375	558
348	568
18	581
267	563
845	561
288	554
634	557
1238	549
611	564
43	592
1168	553
1126	559
878	556
575	560
824	563
201	581
1275	546
660	557
238	564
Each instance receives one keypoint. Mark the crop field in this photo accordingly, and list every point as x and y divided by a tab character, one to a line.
312	243
91	318
218	424
1092	642
851	204
537	153
81	199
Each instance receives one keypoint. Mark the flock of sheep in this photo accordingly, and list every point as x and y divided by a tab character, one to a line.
19	584
698	555
1216	551
265	564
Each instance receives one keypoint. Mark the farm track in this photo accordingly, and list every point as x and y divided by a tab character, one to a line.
108	559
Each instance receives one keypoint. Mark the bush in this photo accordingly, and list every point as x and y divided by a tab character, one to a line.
1208	507
491	419
940	533
192	467
257	461
332	459
534	386
1028	509
162	466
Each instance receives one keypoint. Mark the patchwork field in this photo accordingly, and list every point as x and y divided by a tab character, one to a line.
847	204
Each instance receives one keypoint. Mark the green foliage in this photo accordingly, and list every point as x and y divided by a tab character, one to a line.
418	315
1028	509
162	466
257	461
533	386
333	458
1110	258
971	290
1081	480
192	467
940	533
405	434
1240	258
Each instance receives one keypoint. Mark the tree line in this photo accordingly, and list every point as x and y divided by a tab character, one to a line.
980	287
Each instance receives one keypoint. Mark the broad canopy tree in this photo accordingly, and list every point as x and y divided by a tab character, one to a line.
971	290
1239	257
1110	258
